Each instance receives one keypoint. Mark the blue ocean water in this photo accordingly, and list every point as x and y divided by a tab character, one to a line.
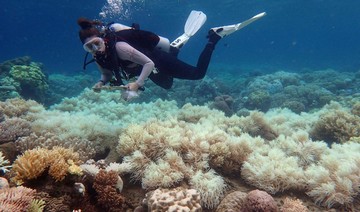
313	34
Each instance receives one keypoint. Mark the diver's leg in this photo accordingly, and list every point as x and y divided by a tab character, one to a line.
163	45
178	69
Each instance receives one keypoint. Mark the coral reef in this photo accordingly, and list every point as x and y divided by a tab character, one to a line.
177	199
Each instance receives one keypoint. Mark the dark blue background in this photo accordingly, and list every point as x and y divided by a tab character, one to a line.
294	35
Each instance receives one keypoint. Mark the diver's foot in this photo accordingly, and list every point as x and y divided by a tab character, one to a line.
213	36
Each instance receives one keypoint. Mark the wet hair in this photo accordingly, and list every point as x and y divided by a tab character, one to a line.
88	28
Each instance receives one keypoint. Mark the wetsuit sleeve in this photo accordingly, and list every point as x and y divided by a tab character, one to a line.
106	74
127	52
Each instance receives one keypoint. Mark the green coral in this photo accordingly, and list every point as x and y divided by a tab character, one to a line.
29	80
30	75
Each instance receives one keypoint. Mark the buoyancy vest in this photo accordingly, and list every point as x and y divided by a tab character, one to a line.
141	40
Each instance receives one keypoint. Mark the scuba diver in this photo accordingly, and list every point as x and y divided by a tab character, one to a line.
123	52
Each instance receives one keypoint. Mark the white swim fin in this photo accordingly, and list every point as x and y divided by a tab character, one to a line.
193	23
227	30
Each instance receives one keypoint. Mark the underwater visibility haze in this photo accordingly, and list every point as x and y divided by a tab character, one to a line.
273	125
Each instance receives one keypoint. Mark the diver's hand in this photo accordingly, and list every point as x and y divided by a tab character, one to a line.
133	86
97	86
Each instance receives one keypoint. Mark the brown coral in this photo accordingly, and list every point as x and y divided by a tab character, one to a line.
105	185
34	162
232	202
16	198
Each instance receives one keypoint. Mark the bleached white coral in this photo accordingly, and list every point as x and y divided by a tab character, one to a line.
273	171
335	180
90	169
211	186
3	163
120	168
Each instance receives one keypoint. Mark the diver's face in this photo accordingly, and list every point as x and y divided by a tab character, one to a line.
94	44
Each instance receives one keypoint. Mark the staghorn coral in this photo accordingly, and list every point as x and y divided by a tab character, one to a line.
293	205
16	198
232	202
176	199
259	201
105	185
13	128
32	163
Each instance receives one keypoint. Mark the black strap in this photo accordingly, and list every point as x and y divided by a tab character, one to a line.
85	61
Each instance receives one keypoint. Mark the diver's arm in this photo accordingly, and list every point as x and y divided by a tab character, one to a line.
127	52
106	74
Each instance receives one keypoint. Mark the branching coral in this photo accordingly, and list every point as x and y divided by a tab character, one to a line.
105	185
16	198
32	163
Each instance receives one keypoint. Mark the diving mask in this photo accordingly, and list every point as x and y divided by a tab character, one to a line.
94	45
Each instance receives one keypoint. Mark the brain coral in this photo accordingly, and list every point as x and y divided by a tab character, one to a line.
259	201
177	199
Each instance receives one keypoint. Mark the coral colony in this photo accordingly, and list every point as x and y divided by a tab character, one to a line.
279	142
